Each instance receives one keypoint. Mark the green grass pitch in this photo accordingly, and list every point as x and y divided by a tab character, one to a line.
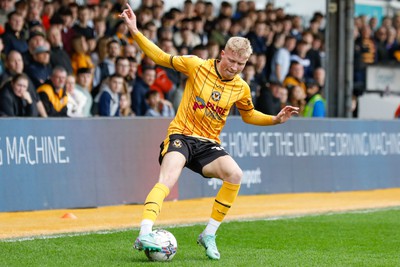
347	239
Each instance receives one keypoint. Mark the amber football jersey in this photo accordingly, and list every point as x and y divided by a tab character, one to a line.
207	98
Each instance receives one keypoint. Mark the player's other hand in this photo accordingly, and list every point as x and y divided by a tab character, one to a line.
286	113
130	18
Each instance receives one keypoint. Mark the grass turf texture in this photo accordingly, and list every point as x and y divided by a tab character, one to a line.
348	239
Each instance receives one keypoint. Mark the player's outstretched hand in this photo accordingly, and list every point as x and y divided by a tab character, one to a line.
130	18
286	113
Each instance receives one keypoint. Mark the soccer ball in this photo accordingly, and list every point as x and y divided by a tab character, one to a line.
168	244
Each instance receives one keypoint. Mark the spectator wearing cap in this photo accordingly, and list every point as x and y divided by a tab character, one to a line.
83	84
53	94
40	69
36	38
13	36
316	104
58	56
14	66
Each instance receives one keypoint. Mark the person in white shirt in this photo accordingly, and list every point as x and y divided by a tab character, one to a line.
76	99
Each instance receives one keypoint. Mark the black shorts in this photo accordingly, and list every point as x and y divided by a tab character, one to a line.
198	153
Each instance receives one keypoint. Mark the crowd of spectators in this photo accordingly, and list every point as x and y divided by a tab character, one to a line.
375	42
64	59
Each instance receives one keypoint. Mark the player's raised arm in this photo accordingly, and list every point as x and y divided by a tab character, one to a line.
148	47
130	19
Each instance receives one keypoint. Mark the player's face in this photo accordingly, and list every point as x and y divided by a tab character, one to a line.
231	64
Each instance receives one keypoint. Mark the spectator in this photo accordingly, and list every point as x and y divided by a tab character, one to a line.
162	82
36	38
6	7
366	54
260	64
80	57
158	107
15	99
213	49
82	26
380	38
150	31
53	94
297	98
319	77
141	87
76	99
278	42
58	56
300	55
258	37
269	101
101	50
125	103
83	84
121	34
220	34
316	104
200	51
67	32
198	30
109	96
107	67
249	75
131	77
15	65
281	62
295	76
13	37
40	69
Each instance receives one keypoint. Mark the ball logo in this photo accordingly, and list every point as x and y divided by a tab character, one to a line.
177	143
216	96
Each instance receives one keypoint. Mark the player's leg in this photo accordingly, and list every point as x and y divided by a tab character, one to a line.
171	167
229	171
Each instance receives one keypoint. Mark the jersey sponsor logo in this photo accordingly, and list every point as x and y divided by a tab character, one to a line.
211	110
217	148
177	143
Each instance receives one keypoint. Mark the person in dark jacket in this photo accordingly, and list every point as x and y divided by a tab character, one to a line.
15	99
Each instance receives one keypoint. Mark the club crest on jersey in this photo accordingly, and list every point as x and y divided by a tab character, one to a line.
216	96
177	143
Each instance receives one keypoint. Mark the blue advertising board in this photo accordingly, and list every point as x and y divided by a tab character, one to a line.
73	163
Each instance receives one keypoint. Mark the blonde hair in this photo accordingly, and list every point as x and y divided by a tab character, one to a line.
240	46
